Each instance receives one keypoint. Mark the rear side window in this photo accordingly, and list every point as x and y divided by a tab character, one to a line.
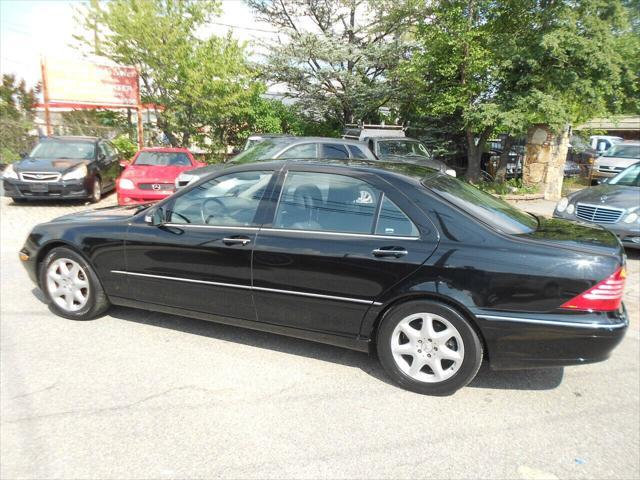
338	203
393	221
334	151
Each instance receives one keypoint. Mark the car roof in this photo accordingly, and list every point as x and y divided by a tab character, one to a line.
166	149
383	168
301	140
393	138
73	138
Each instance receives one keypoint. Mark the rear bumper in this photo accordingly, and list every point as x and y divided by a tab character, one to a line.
138	196
516	341
52	190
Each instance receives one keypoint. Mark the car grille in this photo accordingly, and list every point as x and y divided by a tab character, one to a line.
597	214
608	169
156	186
40	176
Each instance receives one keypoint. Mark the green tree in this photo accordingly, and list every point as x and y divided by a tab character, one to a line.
336	57
504	66
195	83
17	113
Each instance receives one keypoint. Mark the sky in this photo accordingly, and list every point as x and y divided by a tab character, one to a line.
30	29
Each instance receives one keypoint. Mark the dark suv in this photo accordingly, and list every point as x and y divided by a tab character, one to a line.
64	168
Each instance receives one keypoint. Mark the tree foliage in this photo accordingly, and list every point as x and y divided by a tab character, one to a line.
503	66
17	103
195	83
338	58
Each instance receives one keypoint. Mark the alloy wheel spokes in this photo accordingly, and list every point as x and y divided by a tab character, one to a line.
427	347
68	284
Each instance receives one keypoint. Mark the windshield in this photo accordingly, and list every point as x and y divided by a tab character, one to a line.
178	159
629	177
64	149
483	206
402	148
623	150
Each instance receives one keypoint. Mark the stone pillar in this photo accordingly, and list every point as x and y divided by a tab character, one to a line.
544	160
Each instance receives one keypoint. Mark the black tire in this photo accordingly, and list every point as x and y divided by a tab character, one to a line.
19	200
96	192
97	302
472	346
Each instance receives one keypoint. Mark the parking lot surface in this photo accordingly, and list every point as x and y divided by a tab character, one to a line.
137	394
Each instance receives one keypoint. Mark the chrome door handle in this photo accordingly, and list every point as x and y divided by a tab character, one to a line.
390	252
236	240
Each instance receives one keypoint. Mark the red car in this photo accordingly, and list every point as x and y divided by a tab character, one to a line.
151	175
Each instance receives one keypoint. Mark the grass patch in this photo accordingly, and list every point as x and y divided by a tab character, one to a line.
509	187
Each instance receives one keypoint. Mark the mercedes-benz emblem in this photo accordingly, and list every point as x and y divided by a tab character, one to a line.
156	186
603	198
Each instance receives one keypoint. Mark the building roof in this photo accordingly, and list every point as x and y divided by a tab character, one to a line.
621	123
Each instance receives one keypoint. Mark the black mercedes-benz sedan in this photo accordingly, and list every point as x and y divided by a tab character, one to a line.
431	273
64	168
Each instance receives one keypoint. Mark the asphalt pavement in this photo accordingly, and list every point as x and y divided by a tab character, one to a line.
137	395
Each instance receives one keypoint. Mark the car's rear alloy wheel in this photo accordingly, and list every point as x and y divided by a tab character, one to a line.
72	287
428	347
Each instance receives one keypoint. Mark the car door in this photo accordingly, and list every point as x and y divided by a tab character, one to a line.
108	165
200	258
336	242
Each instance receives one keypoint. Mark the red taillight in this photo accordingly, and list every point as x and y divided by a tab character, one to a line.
602	297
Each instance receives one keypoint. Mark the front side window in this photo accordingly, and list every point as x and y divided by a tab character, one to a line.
64	150
227	200
338	203
163	159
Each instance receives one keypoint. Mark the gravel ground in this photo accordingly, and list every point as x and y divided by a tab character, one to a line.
145	395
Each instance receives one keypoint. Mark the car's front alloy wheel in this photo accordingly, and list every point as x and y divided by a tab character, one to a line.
428	347
71	285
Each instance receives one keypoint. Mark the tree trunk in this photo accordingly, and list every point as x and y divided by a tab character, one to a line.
501	172
474	153
163	125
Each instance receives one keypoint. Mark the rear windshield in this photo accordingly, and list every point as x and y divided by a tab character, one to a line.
163	158
485	207
622	150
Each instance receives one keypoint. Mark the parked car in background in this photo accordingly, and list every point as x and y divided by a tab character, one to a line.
572	169
394	149
307	148
615	160
614	205
152	174
602	143
404	270
64	168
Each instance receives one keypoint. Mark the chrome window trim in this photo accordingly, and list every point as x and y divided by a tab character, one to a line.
214	227
339	234
556	323
249	287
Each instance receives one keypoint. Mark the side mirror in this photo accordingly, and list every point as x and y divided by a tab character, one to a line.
124	163
101	157
602	181
155	217
235	151
24	155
